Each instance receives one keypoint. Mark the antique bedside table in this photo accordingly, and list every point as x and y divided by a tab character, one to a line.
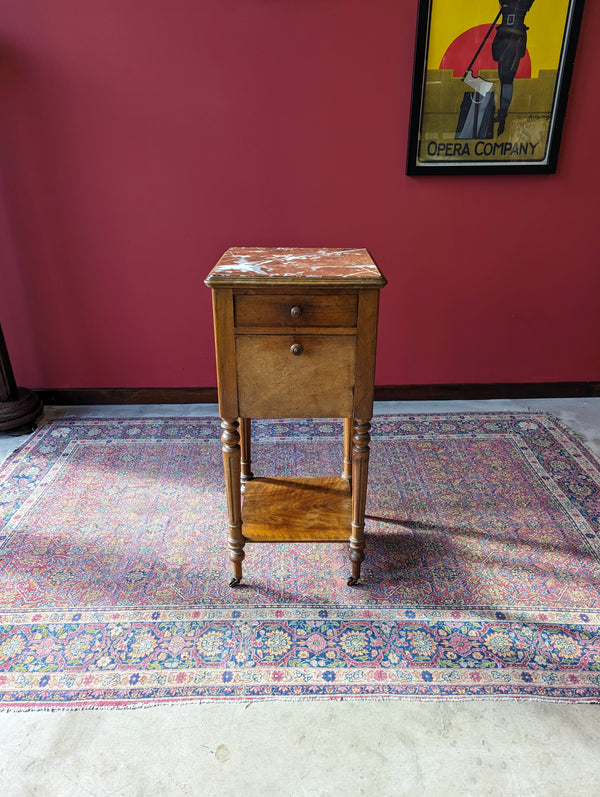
295	336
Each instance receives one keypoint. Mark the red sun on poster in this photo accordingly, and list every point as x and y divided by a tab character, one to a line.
460	53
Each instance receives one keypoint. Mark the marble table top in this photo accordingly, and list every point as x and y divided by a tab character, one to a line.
271	265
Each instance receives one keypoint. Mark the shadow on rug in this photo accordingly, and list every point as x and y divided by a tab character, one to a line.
482	575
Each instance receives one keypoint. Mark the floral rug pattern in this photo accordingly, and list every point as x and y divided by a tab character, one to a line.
481	577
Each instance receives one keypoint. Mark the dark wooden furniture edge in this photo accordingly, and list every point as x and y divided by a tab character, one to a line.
144	395
500	390
208	395
19	407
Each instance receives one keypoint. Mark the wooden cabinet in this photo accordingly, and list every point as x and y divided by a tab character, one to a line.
295	337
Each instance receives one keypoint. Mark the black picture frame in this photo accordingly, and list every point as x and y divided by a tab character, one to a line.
468	128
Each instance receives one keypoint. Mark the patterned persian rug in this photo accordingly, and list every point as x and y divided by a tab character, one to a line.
482	576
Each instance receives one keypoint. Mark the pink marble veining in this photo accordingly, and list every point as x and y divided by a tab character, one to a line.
291	263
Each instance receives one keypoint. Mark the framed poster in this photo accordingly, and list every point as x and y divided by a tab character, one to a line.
490	88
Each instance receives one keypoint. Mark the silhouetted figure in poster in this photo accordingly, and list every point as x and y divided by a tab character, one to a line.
508	47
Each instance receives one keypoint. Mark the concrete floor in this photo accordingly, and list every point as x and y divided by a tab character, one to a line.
480	747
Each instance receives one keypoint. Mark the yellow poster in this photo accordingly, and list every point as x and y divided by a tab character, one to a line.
489	86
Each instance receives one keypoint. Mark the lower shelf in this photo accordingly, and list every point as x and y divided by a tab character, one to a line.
297	510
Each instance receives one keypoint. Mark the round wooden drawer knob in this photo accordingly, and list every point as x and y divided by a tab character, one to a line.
297	349
296	311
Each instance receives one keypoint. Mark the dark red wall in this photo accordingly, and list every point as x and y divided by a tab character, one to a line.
139	140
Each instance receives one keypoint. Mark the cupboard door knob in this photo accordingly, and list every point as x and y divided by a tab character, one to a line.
296	311
297	349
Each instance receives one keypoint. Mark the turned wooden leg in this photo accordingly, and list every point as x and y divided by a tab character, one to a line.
245	442
232	465
360	473
347	474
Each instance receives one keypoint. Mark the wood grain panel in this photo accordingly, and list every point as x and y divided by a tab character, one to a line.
309	310
297	510
274	383
225	352
368	307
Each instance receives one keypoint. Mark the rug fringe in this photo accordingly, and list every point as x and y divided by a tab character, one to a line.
203	701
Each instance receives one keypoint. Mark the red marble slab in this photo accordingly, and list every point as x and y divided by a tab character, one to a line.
293	264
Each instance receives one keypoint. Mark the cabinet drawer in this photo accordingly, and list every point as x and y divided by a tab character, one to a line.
274	382
294	310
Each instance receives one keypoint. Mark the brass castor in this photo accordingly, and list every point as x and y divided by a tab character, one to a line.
352	582
235	582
